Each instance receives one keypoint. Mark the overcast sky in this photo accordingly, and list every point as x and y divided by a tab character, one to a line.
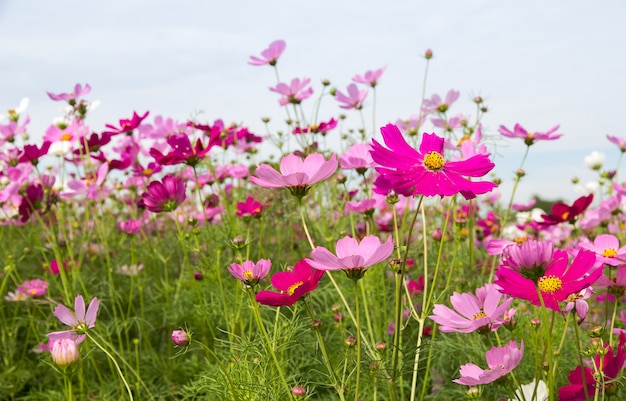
539	63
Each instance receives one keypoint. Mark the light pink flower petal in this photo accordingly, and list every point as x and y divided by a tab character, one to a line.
92	312
322	259
79	308
65	315
347	246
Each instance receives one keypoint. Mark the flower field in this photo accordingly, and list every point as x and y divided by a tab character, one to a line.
156	259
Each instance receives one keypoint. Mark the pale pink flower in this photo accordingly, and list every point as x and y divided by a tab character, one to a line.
270	55
620	142
357	157
501	361
91	186
351	256
296	174
364	206
607	249
529	137
64	352
79	320
370	77
293	93
578	302
249	272
79	91
435	104
33	288
353	100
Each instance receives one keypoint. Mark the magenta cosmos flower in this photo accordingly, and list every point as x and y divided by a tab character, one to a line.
353	100
530	137
296	174
250	208
79	320
293	285
270	55
183	152
370	77
501	361
126	125
557	282
352	257
293	93
249	272
607	249
164	196
562	212
426	172
480	312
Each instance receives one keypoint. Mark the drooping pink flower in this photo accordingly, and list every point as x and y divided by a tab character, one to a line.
357	157
530	137
293	285
411	172
620	142
71	97
353	100
270	55
126	125
558	281
578	302
501	361
33	288
293	93
164	196
606	248
296	174
480	312
249	272
370	77
436	105
79	320
250	208
352	256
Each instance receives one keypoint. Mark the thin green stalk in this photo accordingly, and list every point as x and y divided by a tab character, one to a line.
613	321
117	367
358	339
221	367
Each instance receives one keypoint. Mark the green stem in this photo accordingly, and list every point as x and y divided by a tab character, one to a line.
220	365
358	339
117	367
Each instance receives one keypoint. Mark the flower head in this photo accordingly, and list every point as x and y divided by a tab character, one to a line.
562	212
33	288
620	142
529	137
408	171
250	208
183	152
595	160
370	77
501	361
270	55
79	320
480	312
249	272
529	258
436	105
181	337
352	257
607	249
64	352
293	285
558	281
70	97
296	174
126	125
357	157
353	100
164	196
295	92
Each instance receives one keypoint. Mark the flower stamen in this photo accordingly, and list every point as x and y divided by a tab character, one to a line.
292	288
434	161
549	284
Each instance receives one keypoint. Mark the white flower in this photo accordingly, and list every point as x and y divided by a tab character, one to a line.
595	160
529	389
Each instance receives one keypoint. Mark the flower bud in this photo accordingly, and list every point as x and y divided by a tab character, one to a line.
64	352
181	337
437	234
350	341
197	275
298	391
428	54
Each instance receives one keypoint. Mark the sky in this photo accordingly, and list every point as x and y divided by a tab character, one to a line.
535	62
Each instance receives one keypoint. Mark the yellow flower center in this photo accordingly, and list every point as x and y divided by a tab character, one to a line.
464	138
479	315
147	172
609	252
434	161
66	137
565	215
530	135
248	274
549	284
521	240
292	288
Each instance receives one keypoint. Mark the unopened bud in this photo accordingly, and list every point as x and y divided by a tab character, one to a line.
180	337
298	391
350	341
64	352
428	54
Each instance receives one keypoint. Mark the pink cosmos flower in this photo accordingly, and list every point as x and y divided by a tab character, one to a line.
250	208
79	91
78	320
609	365
293	285
270	55
364	206
33	288
91	186
180	338
411	172
293	93
436	105
410	126
127	125
616	286
607	249
164	196
357	157
370	77
352	257
558	281
249	272
529	258
620	142
562	212
296	174
321	128
64	352
501	361
529	137
577	302
130	226
353	100
521	207
480	312
31	153
183	152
